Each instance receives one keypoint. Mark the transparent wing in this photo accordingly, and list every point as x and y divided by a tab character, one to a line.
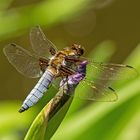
98	92
40	44
22	60
104	71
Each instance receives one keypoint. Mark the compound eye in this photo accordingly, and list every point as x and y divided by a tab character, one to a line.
81	51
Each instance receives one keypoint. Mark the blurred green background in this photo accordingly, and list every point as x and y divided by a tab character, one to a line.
109	27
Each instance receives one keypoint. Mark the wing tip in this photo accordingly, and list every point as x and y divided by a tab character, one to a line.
13	44
135	72
116	96
8	45
129	66
111	89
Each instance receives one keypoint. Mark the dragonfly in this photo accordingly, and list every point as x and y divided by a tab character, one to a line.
49	63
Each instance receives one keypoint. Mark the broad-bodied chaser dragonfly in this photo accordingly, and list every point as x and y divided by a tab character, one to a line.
50	63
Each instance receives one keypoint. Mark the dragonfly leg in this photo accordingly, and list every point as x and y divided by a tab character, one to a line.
72	59
66	71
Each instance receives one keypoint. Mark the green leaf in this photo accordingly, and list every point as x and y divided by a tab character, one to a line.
131	130
56	120
38	128
50	117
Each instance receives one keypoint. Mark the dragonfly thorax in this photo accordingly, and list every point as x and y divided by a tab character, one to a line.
58	62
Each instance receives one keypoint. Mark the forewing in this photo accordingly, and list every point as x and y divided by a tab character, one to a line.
22	60
98	92
40	44
109	71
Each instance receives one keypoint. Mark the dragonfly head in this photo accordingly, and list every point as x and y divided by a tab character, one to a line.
78	49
